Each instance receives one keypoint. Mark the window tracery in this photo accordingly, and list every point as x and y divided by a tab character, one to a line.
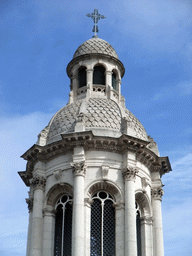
102	225
63	226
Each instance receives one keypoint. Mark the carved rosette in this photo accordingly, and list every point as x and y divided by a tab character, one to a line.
29	201
129	173
79	169
157	193
38	182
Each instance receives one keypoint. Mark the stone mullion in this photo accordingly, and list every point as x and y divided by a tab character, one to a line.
130	213
119	229
78	209
38	183
157	194
88	202
146	236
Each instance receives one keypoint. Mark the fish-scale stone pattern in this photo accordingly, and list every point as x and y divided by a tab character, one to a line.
64	120
135	124
103	113
95	45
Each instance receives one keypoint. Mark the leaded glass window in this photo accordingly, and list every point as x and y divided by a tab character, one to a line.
114	85
63	226
138	228
82	77
99	75
102	225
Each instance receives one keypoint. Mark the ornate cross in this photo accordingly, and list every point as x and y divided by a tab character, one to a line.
95	16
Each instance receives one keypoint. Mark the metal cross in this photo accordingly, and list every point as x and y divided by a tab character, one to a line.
95	16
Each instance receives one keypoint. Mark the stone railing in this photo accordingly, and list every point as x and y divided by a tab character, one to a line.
99	88
82	90
115	94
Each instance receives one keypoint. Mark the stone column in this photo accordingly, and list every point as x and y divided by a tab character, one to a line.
89	82
78	209
74	86
88	202
48	231
120	225
129	175
29	201
146	236
118	81
108	80
38	183
157	194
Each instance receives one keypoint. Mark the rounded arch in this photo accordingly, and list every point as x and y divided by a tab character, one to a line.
56	191
144	203
108	186
82	76
100	62
99	74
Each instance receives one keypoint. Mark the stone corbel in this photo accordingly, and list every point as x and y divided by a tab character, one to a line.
104	171
29	202
79	168
145	183
88	202
57	174
129	173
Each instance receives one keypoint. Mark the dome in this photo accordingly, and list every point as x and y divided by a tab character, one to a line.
100	115
95	45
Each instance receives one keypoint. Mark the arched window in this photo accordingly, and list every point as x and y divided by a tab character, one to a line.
138	228
114	77
82	77
63	226
102	225
99	75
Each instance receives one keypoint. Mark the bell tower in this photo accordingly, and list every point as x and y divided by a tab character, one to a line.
94	175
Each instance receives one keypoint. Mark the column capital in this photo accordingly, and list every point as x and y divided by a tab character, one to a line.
38	181
89	69
119	206
157	193
49	211
29	202
108	72
146	220
129	173
88	201
79	168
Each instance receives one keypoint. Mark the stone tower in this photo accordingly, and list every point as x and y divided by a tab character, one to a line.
94	174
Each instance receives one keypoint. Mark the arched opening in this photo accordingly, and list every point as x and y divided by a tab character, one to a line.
99	75
138	229
63	226
102	224
82	77
114	83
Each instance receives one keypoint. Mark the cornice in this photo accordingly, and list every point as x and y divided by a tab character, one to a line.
89	141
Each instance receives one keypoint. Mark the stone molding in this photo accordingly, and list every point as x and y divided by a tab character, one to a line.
29	202
88	202
49	211
38	182
129	174
79	168
157	193
119	206
146	220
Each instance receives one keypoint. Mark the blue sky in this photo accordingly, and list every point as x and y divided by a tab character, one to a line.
152	38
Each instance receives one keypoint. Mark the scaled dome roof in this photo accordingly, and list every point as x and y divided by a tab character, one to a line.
99	114
95	45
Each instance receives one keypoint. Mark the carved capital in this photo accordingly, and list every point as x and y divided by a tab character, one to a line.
157	193
38	182
129	173
88	202
79	169
146	220
119	206
29	201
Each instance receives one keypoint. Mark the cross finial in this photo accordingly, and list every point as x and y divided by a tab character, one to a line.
95	16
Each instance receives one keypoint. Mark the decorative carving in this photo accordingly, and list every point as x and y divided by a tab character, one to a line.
79	169
88	202
157	193
104	171
99	88
38	182
82	90
152	143
80	117
129	173
144	182
29	201
57	174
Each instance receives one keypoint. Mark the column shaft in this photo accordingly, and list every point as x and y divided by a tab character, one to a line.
78	216
120	232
